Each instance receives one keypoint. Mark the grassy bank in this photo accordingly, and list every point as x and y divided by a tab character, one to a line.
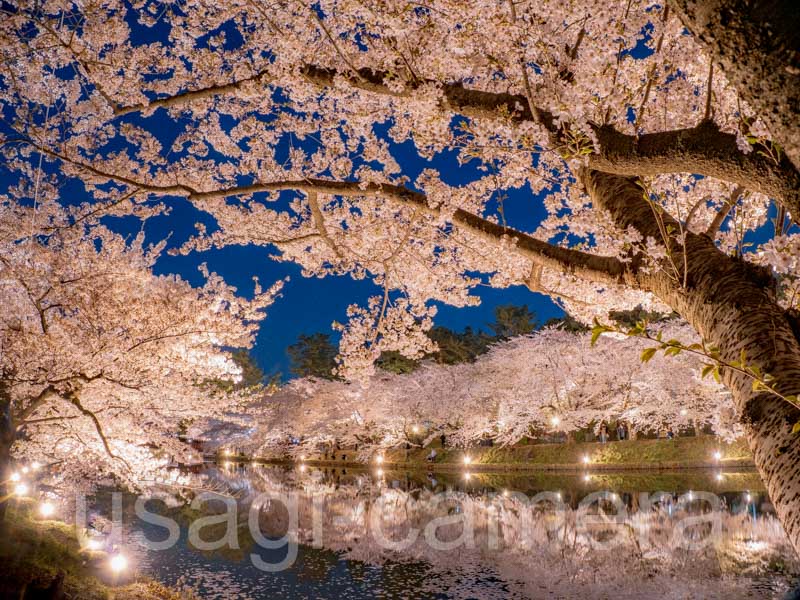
678	453
675	453
36	554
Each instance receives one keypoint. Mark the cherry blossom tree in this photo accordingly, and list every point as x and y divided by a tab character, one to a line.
101	359
756	45
537	542
549	382
378	139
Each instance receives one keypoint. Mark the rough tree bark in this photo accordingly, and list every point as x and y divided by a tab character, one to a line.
757	45
6	441
732	305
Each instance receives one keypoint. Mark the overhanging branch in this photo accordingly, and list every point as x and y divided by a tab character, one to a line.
566	260
702	149
75	401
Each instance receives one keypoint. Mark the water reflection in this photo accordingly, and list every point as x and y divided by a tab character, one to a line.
476	535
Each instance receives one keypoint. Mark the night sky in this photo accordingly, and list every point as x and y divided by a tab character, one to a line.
309	305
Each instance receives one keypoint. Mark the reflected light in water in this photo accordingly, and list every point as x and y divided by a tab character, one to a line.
118	563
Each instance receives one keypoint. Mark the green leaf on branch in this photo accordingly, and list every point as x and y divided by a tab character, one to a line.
647	354
599	329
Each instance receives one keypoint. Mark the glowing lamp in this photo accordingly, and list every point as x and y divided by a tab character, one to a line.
302	468
118	563
717	455
25	470
379	459
35	466
415	429
467	460
20	489
555	421
467	476
15	476
684	412
94	544
379	472
46	509
586	459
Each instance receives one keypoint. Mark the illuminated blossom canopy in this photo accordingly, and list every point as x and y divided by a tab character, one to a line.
389	140
101	359
550	382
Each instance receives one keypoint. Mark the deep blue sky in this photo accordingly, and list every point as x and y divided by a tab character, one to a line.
308	305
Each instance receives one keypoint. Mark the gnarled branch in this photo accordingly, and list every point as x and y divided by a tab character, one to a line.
703	149
581	264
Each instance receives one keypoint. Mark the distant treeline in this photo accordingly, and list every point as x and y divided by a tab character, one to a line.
314	355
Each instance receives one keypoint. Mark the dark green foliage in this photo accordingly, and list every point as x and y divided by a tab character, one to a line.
511	321
252	375
313	356
567	323
629	318
394	362
456	348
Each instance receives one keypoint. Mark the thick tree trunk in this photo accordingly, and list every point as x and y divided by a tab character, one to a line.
732	306
6	441
757	45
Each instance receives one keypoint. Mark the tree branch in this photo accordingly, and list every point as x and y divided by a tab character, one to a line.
704	150
43	396
259	78
587	266
75	401
723	212
319	222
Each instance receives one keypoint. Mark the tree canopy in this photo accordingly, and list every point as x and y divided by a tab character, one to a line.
389	141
